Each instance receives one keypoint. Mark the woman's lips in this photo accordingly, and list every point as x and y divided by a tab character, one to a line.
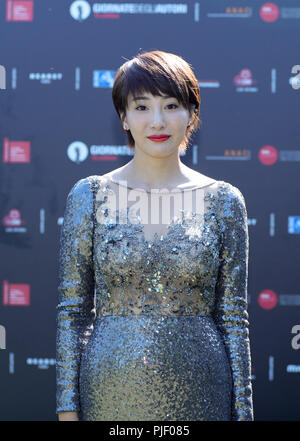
160	138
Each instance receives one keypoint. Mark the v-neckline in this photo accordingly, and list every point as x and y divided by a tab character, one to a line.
157	238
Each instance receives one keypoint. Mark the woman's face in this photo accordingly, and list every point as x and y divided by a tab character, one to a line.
149	115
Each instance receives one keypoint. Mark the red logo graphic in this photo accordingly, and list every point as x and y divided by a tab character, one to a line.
16	151
244	79
17	10
16	294
268	155
267	299
269	12
13	219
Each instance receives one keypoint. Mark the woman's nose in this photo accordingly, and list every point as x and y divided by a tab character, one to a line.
157	120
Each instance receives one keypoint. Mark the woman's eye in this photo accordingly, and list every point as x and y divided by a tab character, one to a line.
169	106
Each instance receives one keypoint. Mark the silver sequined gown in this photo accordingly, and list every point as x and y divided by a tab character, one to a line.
153	330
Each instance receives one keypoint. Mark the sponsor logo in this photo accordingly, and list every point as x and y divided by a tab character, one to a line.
13	222
269	12
16	151
17	10
103	78
268	299
16	294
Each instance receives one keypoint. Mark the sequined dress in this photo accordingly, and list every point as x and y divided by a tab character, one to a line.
153	328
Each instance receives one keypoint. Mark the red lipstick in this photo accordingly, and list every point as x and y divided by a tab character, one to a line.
159	138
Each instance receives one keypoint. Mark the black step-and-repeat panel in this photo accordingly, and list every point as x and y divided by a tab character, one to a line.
57	124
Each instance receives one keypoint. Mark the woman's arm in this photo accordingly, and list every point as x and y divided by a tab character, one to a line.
75	308
231	314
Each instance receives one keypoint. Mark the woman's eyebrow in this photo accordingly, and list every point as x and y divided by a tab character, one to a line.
146	98
140	98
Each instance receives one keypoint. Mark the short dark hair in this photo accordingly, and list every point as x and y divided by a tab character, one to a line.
158	72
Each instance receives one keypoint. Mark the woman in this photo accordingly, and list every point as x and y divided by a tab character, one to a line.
152	319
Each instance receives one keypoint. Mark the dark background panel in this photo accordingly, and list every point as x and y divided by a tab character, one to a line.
52	116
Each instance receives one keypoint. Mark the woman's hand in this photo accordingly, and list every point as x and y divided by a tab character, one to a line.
68	416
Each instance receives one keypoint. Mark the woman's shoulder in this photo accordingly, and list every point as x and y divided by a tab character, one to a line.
225	188
88	182
80	185
229	201
81	191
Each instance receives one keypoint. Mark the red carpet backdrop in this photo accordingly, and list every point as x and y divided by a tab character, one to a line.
57	125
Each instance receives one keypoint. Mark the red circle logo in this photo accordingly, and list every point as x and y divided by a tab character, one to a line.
268	155
267	299
269	12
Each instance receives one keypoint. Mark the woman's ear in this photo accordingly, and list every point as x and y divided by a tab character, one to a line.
124	121
123	118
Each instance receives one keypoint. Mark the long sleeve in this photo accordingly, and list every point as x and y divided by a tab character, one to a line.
230	313
75	308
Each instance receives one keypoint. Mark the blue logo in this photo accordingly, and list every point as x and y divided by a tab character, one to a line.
294	224
103	78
